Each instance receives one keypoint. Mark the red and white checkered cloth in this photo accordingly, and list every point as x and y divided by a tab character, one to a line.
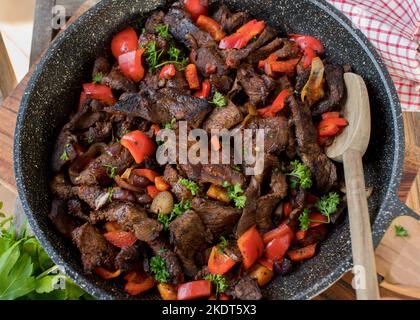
393	26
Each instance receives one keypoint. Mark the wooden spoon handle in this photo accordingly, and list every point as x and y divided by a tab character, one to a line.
361	234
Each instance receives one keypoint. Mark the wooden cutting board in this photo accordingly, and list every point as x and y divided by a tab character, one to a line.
398	259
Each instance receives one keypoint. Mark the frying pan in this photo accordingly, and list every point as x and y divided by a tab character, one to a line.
55	86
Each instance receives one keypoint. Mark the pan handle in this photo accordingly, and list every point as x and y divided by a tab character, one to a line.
401	209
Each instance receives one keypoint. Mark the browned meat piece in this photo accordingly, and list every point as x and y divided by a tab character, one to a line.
263	52
230	21
247	289
298	197
155	19
128	259
248	217
61	187
94	196
218	218
232	250
265	208
289	50
207	58
178	83
323	169
334	76
97	170
117	81
221	83
64	150
95	249
314	235
223	118
151	81
75	208
189	235
146	38
213	173
64	223
256	87
101	65
100	132
172	177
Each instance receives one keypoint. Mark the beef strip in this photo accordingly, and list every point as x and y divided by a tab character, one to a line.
289	50
218	218
247	289
155	19
64	223
207	58
94	196
64	150
75	208
147	38
213	173
230	21
117	81
221	83
189	235
61	187
128	259
95	249
100	132
223	118
263	52
178	83
322	168
248	217
101	65
257	87
301	79
334	75
172	177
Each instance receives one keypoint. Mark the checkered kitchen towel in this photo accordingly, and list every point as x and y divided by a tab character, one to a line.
393	26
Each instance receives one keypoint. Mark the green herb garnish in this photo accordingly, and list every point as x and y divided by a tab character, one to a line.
190	185
98	78
153	55
400	231
219	281
237	167
173	53
110	193
111	170
222	244
169	125
233	193
64	156
327	205
158	268
163	31
304	219
302	173
219	100
179	208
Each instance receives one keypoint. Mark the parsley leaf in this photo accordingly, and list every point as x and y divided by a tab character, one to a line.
110	193
304	219
327	205
219	281
163	31
169	125
97	78
219	100
153	55
400	231
173	53
111	170
64	156
233	193
302	173
222	244
158	268
190	185
237	167
178	209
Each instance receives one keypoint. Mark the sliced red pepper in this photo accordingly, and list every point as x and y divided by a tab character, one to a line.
147	173
112	226
339	122
278	232
300	235
192	76
121	238
271	58
278	247
82	100
124	41
243	35
251	246
168	71
139	145
224	296
287	209
161	185
138	283
211	26
331	115
194	290
317	219
277	105
204	93
311	199
105	274
287	66
266	263
219	262
131	64
310	46
302	253
99	92
152	191
328	130
197	7
309	55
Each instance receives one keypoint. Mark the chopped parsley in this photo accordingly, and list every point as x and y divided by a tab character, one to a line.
253	39
237	167
222	244
110	193
111	170
158	268
153	55
179	208
190	185
234	192
219	100
91	139
327	205
163	31
304	219
173	53
170	125
219	281
400	231
97	78
302	173
64	156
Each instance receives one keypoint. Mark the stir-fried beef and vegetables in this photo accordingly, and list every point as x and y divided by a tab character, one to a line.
200	230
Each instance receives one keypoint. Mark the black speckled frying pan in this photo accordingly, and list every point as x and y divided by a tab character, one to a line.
56	84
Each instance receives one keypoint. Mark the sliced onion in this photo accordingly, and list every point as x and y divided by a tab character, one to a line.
127	173
313	90
125	185
114	149
123	195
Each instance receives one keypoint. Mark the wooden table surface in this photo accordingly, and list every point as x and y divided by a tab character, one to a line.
409	190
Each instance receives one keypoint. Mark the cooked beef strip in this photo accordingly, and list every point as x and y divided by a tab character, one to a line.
172	177
232	250
222	83
94	196
335	82
223	118
247	289
230	21
100	132
101	65
189	235
248	217
64	223
289	50
298	197
314	235
95	249
213	173
146	38
323	169
263	52
75	208
178	83
207	58
61	187
64	150
128	259
117	81
154	20
218	218
257	87
301	80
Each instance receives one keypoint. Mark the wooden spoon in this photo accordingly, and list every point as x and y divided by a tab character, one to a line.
349	147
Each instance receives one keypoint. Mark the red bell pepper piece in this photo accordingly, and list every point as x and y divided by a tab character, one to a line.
243	35
192	76
266	263
131	64
251	246
328	130
139	145
311	199
99	92
278	232
161	185
219	262
121	238
310	46
302	253
287	66
137	283
317	219
271	58
168	71
124	41
339	122
330	115
152	191
105	274
147	173
309	55
287	209
278	247
194	290
300	235
197	7
211	26
223	296
112	226
204	93
277	105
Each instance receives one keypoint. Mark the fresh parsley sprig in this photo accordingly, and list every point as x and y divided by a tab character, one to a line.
234	192
219	281
302	173
190	185
158	268
400	231
65	156
327	205
98	78
163	31
179	208
111	170
219	100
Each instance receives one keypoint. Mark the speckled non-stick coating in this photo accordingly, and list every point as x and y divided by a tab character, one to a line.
56	84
